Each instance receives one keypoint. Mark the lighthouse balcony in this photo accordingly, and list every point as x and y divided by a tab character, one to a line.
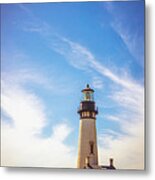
95	109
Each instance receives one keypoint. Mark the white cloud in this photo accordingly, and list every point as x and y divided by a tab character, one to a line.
21	148
61	132
127	150
21	141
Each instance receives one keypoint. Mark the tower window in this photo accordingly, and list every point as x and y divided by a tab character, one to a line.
91	147
93	114
87	113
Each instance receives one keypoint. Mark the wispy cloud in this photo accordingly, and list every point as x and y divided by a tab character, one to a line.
78	55
97	83
132	41
132	38
112	118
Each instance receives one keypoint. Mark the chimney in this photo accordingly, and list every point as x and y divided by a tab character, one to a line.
111	162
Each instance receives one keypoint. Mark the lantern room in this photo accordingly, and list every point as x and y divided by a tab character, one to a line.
88	94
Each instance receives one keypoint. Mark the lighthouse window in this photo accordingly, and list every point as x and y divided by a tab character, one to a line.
91	147
93	114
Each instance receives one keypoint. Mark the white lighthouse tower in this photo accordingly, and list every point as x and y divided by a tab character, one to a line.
87	145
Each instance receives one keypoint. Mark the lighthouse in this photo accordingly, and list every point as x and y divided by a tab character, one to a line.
87	143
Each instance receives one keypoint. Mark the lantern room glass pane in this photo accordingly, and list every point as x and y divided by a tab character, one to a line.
88	96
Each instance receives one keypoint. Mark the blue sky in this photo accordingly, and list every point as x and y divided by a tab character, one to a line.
50	52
